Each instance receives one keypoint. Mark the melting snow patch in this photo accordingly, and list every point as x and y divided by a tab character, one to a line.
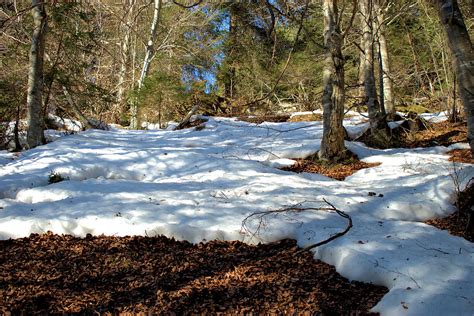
197	185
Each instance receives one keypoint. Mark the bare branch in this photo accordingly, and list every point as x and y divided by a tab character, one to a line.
349	226
262	216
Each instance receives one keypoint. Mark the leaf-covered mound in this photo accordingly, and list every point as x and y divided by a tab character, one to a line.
461	222
338	171
63	274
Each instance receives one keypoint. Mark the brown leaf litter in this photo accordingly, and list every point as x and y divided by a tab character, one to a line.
436	134
460	223
338	171
48	273
461	155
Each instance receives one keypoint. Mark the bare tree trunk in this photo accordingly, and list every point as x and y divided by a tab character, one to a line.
229	78
379	131
332	144
126	28
369	76
463	57
150	51
387	92
35	76
361	75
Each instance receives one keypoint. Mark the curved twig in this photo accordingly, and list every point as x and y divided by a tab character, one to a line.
262	215
349	226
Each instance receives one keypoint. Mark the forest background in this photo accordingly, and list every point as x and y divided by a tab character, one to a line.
135	61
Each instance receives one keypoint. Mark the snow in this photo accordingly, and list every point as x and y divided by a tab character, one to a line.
200	185
66	126
5	157
64	123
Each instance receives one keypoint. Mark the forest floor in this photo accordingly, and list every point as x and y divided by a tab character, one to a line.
460	223
48	273
202	184
443	133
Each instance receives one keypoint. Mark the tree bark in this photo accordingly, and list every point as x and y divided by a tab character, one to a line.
463	57
361	74
332	144
379	131
230	74
387	92
150	51
369	76
126	29
35	76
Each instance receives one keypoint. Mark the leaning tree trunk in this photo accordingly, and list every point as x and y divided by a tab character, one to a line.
35	76
150	51
388	99
332	144
463	57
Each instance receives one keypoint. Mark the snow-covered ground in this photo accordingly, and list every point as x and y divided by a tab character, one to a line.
5	157
198	185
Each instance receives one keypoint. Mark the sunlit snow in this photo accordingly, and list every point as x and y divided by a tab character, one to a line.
200	185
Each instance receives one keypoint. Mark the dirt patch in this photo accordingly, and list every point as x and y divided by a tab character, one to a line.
460	223
313	117
415	133
306	118
437	134
461	155
62	274
455	224
338	171
265	118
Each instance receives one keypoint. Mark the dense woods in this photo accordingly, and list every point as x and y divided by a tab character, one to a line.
136	61
237	157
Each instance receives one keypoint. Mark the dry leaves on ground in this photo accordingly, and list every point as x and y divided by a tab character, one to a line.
460	223
338	171
461	155
437	134
63	274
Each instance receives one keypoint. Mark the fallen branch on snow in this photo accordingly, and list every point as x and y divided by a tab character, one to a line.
262	215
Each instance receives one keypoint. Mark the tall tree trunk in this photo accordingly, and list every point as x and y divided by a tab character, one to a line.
35	76
379	131
126	30
463	57
229	76
387	92
150	51
361	74
332	144
369	76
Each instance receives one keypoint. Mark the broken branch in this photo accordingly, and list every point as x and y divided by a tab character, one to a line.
261	216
